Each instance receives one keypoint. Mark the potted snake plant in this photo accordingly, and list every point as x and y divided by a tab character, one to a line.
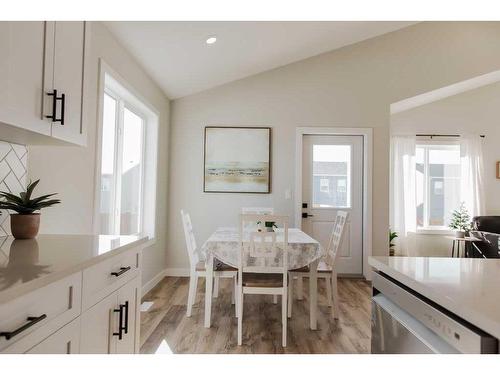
25	222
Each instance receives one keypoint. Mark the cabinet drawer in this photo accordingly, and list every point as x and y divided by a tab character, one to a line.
104	278
29	319
64	341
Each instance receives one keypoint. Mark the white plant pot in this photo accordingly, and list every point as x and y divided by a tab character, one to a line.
460	234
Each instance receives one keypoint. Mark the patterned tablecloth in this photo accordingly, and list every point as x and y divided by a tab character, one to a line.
223	244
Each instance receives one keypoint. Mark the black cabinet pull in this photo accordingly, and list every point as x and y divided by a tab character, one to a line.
55	98
120	318
32	320
63	108
54	105
125	327
121	272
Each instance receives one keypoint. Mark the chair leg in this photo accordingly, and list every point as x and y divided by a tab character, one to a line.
328	283
193	281
216	286
240	316
275	299
290	296
284	319
233	291
335	296
300	288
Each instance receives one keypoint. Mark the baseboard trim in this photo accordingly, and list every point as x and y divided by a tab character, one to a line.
179	272
153	282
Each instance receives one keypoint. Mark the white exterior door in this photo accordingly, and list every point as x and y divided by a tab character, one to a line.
332	180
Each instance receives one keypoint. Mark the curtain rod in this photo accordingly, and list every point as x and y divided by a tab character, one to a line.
442	135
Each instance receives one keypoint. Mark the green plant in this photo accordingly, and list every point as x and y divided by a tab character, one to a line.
460	219
23	204
392	237
268	224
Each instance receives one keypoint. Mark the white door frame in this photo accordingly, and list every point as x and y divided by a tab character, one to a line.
367	134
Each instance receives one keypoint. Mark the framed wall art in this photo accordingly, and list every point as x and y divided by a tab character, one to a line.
237	160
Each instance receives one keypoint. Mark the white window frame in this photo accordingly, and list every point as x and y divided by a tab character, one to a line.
443	145
118	88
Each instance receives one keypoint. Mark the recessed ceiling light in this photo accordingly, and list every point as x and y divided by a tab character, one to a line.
211	40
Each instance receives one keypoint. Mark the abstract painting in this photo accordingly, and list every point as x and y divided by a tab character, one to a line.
237	159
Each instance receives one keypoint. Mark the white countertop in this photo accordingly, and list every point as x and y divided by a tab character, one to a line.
26	265
468	287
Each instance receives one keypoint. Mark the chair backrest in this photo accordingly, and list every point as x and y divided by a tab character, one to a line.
336	238
190	240
255	211
259	248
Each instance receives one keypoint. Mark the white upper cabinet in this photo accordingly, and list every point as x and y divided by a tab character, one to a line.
68	69
42	74
22	79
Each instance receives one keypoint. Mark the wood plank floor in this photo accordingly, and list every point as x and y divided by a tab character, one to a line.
166	328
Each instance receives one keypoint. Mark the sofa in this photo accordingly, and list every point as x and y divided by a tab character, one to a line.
486	234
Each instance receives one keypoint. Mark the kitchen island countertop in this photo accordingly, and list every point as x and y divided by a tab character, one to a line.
468	287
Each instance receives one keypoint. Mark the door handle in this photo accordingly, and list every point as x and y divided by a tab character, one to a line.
305	215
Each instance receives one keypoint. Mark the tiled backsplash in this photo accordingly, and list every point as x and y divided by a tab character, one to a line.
13	175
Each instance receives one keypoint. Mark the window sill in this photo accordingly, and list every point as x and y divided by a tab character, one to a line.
150	242
438	231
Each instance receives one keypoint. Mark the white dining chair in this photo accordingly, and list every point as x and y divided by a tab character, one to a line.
254	226
197	267
326	267
256	277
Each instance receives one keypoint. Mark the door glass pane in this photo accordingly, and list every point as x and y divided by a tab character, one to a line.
131	173
108	164
331	176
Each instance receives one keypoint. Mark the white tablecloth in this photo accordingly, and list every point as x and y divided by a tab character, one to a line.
223	244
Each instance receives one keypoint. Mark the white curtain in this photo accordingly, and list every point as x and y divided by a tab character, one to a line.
472	174
403	192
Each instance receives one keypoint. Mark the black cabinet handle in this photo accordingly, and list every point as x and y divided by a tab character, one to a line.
305	215
63	108
120	318
55	98
32	320
125	327
121	272
54	105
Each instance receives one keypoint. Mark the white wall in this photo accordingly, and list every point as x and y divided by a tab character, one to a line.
475	111
70	170
350	87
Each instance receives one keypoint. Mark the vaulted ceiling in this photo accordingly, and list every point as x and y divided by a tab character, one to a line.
177	57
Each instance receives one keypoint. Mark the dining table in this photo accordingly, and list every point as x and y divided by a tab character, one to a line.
224	246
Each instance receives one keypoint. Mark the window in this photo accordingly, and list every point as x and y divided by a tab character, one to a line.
128	163
331	176
324	185
438	184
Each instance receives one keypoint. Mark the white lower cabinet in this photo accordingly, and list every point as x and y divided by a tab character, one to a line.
112	325
53	319
64	341
129	297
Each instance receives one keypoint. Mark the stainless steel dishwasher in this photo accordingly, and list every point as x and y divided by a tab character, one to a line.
404	322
